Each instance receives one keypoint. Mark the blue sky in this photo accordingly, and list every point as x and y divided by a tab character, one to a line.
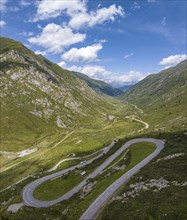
119	42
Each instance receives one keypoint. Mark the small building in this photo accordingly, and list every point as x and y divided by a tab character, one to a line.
83	173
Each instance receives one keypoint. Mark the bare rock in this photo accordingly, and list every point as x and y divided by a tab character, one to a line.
60	123
15	207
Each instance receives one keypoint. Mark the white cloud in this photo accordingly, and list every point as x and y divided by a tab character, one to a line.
62	64
100	73
43	53
92	18
52	9
3	5
96	72
84	54
2	23
130	77
163	21
77	11
55	38
167	67
128	55
173	59
135	6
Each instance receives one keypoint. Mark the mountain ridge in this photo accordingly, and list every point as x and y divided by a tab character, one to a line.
99	86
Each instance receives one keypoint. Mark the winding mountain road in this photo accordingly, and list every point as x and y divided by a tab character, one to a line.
91	212
27	195
29	200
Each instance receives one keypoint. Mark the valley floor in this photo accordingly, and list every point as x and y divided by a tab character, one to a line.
65	150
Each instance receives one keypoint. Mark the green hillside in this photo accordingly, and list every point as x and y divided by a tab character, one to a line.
163	97
159	87
99	86
158	190
50	113
39	98
57	115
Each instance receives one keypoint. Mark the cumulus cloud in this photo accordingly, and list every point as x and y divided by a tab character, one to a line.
92	18
55	38
43	53
100	73
96	72
84	54
128	55
77	11
2	23
173	59
52	9
130	77
62	64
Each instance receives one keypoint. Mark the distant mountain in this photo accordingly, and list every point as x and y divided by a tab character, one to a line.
38	96
125	88
99	86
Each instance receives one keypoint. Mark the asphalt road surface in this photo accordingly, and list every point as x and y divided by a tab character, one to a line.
28	190
90	213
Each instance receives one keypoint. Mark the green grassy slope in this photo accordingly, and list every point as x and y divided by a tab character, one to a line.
163	98
46	108
99	86
36	93
158	190
41	86
158	87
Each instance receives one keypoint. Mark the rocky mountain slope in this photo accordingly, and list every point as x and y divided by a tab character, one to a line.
99	86
38	96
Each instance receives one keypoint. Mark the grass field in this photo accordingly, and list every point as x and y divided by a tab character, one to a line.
86	141
81	142
73	208
53	189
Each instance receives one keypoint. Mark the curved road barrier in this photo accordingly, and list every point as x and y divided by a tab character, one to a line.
29	200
